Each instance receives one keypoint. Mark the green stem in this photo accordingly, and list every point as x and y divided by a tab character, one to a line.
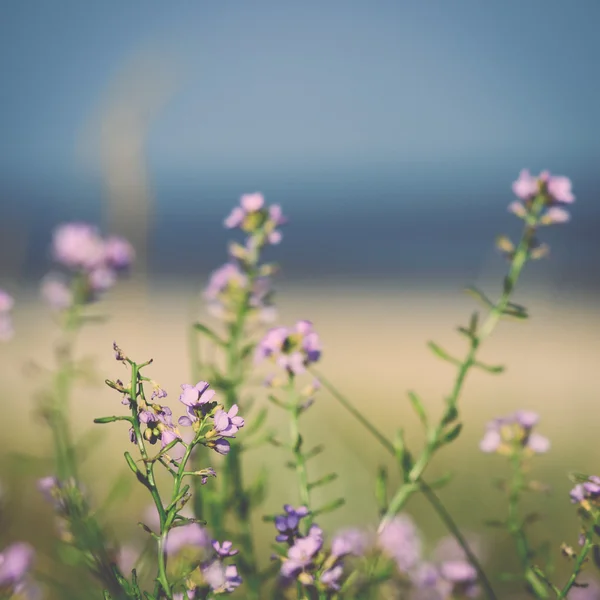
296	446
429	494
588	544
518	261
515	527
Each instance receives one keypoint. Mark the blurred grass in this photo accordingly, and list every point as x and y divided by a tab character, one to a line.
374	351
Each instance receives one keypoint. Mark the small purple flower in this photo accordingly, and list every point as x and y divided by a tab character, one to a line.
507	434
225	549
78	246
526	186
101	279
300	555
15	561
187	535
292	349
331	577
6	326
56	292
462	576
118	253
349	541
221	578
221	446
195	398
287	524
228	424
401	541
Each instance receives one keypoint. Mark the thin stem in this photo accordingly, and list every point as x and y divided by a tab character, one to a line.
429	494
296	446
515	527
518	261
588	544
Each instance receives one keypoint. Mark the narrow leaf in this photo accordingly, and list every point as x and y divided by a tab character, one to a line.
452	434
209	333
441	353
418	407
329	507
323	481
480	296
494	369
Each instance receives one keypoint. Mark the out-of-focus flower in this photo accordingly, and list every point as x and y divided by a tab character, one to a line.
15	562
554	189
292	349
6	325
56	292
507	434
349	541
287	523
401	541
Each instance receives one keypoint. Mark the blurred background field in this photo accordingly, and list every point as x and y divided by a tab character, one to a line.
390	133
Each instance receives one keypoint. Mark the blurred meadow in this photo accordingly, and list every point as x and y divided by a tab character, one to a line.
390	133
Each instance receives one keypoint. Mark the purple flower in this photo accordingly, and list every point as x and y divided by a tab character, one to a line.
507	434
56	292
591	592
187	535
225	549
101	279
195	397
228	424
118	253
462	576
221	578
292	349
331	577
287	524
401	541
300	555
78	246
221	446
349	541
556	189
15	561
586	492
6	326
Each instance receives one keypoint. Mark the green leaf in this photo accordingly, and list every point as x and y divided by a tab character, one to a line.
257	422
314	452
330	507
277	402
323	481
494	369
495	523
403	456
515	311
441	353
441	482
479	296
450	415
418	407
381	494
452	434
209	333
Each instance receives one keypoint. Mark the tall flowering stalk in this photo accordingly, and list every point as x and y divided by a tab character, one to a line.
239	295
149	423
514	436
540	203
89	266
293	350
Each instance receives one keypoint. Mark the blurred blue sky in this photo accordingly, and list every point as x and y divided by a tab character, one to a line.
323	105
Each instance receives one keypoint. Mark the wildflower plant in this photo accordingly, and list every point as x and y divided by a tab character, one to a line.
190	456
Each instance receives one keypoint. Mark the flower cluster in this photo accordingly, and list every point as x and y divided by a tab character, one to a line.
92	264
242	285
213	573
229	287
555	189
293	349
506	435
306	561
200	404
587	493
255	218
6	326
16	562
